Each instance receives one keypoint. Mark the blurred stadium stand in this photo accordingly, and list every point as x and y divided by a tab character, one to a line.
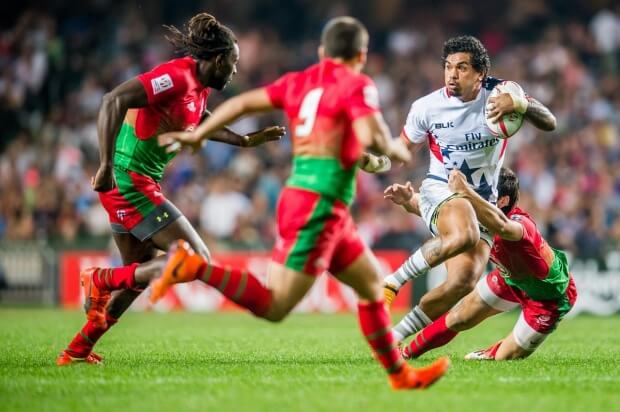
58	58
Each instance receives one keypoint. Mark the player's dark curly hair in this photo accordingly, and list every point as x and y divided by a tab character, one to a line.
508	185
344	37
468	44
203	39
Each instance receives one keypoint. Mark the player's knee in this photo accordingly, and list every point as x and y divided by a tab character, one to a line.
277	312
468	237
458	322
464	239
275	316
461	285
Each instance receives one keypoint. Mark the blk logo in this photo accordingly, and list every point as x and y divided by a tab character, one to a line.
445	125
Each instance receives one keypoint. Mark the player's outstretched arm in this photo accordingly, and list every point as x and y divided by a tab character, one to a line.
249	102
405	196
374	134
114	106
229	136
489	215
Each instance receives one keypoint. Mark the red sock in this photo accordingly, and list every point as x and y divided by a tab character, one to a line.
83	342
240	286
433	336
376	327
116	278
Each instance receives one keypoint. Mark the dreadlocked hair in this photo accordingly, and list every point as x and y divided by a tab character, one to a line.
203	39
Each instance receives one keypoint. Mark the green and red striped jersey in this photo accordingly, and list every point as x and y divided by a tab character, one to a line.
321	103
176	101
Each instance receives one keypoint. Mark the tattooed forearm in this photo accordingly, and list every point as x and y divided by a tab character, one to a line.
431	251
540	116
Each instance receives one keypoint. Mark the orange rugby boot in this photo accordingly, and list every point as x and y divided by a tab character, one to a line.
65	359
95	299
419	378
183	265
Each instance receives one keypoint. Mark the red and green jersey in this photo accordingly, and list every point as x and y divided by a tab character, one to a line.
176	101
530	264
321	103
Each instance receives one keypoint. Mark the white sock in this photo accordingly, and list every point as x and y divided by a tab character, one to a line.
414	266
413	322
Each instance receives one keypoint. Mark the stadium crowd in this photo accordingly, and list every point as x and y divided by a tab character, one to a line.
56	62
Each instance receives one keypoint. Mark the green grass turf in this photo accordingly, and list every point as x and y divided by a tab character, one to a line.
220	362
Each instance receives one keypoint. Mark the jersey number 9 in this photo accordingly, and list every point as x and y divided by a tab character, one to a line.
307	112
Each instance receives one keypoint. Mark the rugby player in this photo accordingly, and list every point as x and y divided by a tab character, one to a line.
172	96
529	274
451	121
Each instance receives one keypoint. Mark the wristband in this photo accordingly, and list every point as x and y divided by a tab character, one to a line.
520	103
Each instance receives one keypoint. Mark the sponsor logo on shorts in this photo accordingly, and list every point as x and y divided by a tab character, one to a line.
121	214
162	217
161	83
543	320
191	106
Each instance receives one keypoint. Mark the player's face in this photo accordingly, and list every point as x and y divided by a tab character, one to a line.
462	80
225	69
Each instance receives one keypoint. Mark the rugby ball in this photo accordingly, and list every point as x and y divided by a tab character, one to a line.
510	123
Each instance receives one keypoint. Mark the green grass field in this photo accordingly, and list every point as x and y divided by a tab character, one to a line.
232	362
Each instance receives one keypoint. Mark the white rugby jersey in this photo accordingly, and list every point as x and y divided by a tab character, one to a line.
458	137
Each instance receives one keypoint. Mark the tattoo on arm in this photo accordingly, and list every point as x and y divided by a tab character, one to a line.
431	251
540	116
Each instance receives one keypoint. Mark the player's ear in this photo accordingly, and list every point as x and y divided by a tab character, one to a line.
362	56
503	201
219	60
321	52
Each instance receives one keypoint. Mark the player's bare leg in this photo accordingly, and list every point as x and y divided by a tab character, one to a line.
465	315
464	270
458	232
522	341
363	275
288	287
510	349
505	349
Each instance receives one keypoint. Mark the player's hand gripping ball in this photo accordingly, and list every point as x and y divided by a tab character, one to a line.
504	110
